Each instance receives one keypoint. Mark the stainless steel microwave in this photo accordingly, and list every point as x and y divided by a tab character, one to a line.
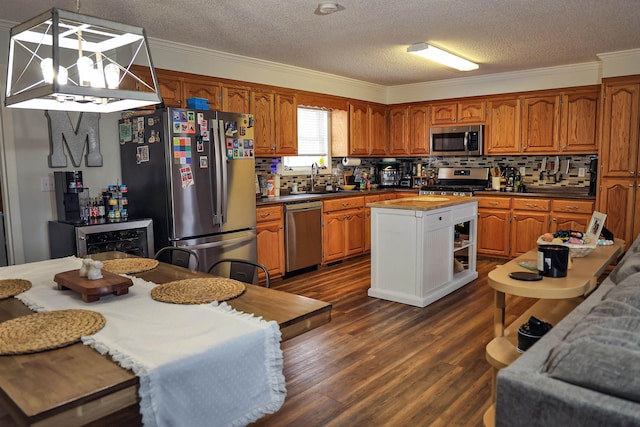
457	141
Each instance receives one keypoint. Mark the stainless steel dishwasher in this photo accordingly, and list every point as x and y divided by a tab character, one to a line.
303	235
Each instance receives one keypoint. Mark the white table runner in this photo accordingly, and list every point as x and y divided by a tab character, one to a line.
202	365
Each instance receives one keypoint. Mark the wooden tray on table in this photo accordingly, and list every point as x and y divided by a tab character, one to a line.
92	290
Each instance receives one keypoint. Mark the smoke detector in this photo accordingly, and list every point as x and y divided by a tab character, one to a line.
328	7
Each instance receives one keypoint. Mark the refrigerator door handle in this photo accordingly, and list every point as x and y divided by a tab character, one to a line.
220	243
216	183
224	183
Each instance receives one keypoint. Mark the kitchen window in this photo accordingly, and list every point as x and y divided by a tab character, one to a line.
314	143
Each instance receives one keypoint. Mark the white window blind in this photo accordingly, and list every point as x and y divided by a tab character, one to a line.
314	142
313	130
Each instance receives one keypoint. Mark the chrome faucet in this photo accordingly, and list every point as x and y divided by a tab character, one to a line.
314	172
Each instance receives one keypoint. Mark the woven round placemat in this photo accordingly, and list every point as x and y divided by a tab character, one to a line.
129	265
47	330
198	291
11	287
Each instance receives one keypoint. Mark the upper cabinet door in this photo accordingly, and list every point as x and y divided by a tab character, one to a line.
235	99
264	134
419	130
502	133
171	90
444	114
472	112
286	124
540	124
202	89
619	149
399	130
358	128
463	112
378	130
579	120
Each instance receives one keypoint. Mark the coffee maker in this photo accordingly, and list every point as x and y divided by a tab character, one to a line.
388	174
71	196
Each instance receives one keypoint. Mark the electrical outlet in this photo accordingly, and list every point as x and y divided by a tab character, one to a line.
523	170
46	184
582	172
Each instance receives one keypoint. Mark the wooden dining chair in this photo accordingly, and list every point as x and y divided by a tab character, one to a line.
181	257
239	269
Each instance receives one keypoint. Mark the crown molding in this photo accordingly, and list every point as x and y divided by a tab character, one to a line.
490	84
227	65
620	63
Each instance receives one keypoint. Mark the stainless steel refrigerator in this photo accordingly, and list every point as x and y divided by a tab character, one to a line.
192	172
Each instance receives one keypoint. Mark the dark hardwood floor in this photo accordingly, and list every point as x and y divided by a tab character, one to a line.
384	363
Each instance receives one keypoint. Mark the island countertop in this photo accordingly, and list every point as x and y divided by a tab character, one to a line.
423	203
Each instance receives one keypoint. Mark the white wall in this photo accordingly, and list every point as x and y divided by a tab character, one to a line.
25	138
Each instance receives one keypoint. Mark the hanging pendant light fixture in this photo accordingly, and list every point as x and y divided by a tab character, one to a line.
62	60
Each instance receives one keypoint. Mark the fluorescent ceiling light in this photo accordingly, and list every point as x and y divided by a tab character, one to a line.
443	57
65	61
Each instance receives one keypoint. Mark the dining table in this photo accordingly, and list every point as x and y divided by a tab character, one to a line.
76	385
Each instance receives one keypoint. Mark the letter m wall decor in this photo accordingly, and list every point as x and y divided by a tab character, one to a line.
62	133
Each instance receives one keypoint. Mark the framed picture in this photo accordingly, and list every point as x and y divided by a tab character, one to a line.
595	225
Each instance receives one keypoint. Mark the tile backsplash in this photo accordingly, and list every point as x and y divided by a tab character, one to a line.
577	165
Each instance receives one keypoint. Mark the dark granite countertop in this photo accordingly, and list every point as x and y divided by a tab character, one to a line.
306	197
541	192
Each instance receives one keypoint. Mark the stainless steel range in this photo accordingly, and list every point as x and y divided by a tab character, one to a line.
458	182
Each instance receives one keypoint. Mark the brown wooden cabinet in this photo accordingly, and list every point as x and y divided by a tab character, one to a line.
176	88
546	122
211	91
502	133
399	130
378	137
462	112
619	186
619	147
263	109
270	240
510	226
235	99
419	130
540	124
343	225
529	220
286	118
580	121
358	128
571	214
493	226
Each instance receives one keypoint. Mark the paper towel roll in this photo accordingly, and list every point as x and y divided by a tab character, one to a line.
351	161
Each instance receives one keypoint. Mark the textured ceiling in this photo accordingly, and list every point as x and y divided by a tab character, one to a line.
368	39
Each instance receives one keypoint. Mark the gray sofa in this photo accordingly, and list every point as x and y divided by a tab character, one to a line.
586	370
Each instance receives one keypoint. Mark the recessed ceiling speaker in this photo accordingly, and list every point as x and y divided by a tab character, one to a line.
328	7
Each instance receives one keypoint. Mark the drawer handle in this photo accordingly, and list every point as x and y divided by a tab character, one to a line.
532	205
494	203
344	205
264	215
572	207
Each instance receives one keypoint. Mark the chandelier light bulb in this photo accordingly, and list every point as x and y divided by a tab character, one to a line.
112	76
63	75
85	70
46	65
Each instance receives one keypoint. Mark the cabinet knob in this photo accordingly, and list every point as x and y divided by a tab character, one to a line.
439	218
632	172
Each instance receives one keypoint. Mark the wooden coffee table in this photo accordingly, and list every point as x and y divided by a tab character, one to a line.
558	296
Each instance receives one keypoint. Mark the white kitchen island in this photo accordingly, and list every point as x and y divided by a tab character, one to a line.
422	248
